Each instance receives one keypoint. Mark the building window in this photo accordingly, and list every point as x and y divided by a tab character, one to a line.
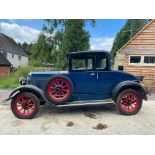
149	59
5	54
12	55
143	60
19	57
135	59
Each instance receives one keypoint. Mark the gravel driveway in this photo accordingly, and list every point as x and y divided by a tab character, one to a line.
102	119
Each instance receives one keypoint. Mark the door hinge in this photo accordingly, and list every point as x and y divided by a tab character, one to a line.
97	75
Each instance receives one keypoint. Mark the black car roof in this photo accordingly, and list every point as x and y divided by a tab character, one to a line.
89	52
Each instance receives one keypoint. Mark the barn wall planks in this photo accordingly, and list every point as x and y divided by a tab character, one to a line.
144	39
143	43
147	71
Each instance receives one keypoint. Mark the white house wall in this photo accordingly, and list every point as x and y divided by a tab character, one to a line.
15	61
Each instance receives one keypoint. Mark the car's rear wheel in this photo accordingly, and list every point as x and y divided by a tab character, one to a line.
59	89
129	102
25	105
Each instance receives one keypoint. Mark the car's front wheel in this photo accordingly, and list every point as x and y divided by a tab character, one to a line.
25	105
129	102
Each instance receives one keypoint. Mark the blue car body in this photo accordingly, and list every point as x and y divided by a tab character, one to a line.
89	84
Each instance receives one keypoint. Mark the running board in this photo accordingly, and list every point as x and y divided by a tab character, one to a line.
87	102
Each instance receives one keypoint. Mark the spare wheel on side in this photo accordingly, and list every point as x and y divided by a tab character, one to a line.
59	89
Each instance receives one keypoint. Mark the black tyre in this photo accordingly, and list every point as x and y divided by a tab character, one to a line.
129	102
25	105
59	89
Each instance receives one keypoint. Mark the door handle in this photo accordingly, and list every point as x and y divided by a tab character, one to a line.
92	74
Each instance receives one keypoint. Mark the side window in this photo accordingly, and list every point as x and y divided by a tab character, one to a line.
82	63
101	62
135	59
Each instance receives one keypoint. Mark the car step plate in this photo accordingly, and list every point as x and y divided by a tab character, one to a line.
87	102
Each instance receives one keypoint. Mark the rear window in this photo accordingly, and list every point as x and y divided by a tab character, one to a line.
101	62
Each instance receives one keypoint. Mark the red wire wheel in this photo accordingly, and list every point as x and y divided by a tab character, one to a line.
25	105
59	89
129	102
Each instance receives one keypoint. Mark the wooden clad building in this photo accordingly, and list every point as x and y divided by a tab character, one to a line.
137	56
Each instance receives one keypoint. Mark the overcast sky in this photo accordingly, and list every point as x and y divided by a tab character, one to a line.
27	30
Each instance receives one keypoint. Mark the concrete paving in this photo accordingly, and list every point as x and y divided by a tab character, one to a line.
102	119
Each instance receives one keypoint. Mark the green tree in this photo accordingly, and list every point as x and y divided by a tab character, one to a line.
74	37
43	51
131	27
26	47
39	49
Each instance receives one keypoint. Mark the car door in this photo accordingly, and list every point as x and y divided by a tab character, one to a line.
83	74
104	79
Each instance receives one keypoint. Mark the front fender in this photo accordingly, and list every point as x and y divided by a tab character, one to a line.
28	88
126	85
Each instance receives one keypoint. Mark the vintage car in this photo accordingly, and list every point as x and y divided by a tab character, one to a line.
89	80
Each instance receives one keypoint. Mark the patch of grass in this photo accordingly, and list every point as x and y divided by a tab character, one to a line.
13	80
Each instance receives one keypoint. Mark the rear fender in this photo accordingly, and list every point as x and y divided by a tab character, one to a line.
128	85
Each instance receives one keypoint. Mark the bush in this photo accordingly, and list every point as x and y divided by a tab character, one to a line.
12	80
35	63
